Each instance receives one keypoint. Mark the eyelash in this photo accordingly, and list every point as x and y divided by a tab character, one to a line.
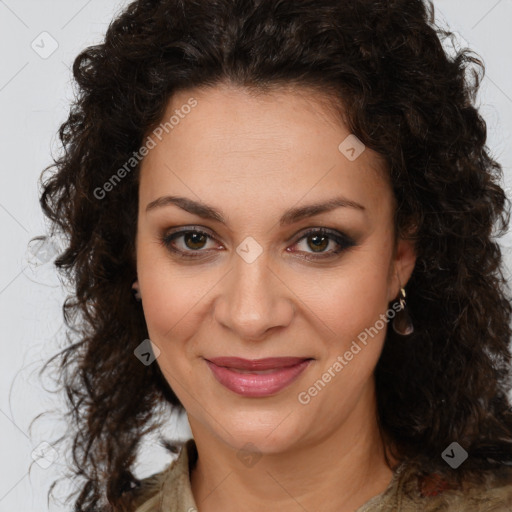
344	242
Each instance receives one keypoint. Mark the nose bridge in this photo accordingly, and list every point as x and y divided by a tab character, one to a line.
252	300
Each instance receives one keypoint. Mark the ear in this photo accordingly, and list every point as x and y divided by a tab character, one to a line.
402	266
135	288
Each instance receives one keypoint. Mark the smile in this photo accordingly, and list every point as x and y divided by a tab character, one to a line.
257	378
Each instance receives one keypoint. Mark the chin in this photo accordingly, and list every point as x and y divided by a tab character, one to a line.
266	440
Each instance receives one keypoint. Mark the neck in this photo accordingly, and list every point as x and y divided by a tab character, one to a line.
338	472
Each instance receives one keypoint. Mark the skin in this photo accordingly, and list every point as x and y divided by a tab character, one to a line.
252	158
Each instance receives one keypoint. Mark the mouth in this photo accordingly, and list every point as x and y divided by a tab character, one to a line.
257	377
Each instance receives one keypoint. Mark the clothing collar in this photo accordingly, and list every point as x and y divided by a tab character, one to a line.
174	491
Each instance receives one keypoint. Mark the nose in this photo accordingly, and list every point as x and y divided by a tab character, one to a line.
254	300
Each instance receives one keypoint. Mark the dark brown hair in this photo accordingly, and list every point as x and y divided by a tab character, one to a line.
405	98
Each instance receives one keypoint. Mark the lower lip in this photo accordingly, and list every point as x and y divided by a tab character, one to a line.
257	385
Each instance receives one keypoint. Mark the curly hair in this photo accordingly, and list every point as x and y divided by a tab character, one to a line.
403	96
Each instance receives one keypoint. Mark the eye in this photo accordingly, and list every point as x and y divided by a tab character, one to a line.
190	243
319	239
193	240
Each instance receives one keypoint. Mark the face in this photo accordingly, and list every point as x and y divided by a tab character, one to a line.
239	267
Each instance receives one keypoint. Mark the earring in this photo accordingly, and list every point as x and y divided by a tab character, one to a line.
402	323
136	291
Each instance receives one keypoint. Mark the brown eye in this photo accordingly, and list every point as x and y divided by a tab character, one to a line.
318	240
188	243
194	240
193	243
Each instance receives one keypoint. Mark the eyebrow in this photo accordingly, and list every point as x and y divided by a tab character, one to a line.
289	217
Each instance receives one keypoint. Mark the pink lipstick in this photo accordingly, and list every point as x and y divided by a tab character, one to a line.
257	377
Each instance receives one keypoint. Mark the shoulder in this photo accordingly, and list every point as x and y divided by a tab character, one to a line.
146	496
410	491
169	489
432	493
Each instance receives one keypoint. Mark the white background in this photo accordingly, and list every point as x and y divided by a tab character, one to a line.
34	99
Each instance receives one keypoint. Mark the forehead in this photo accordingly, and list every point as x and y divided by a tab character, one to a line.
279	145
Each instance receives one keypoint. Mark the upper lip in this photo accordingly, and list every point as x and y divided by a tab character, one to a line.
257	364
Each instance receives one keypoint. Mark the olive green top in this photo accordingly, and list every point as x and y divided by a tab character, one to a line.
170	491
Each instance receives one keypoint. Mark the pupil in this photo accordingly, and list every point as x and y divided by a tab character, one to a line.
196	238
319	242
322	239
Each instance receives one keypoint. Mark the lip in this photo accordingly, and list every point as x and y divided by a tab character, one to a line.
242	376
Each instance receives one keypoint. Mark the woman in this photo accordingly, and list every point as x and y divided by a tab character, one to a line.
300	197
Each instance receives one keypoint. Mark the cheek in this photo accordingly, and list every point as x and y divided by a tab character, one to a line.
352	299
352	307
175	298
344	301
165	298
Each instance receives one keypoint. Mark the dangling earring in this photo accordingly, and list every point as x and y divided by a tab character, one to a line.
402	323
136	291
